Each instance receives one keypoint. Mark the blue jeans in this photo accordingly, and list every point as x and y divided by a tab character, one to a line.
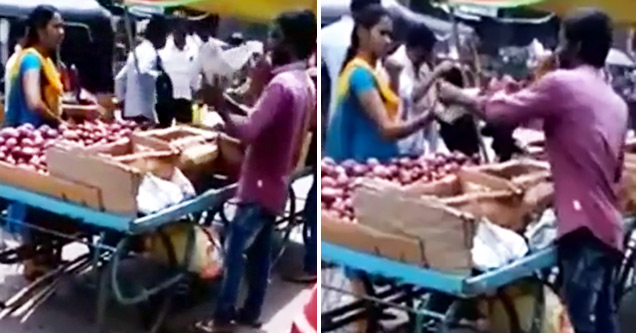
589	270
310	229
250	234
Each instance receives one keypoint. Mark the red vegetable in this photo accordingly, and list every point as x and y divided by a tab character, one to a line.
327	182
330	194
9	132
70	135
28	152
26	142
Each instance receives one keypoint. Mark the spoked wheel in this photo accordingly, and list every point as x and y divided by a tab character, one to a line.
626	318
336	293
286	225
627	273
351	305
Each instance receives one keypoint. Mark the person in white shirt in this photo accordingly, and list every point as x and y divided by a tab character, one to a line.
415	83
10	63
135	85
179	63
334	42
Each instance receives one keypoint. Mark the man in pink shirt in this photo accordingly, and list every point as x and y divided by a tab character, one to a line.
585	123
273	133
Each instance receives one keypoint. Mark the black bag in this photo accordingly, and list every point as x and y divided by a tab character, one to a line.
165	96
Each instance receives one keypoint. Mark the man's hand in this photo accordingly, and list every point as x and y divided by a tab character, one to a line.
449	93
213	94
393	67
443	68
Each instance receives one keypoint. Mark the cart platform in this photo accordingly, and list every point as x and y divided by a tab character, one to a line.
453	284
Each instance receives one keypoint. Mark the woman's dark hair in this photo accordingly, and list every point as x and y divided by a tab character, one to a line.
299	29
38	19
592	29
367	18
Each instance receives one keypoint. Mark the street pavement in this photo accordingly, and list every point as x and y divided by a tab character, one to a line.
72	308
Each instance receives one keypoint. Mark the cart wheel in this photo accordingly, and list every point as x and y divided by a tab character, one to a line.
626	318
285	226
332	318
103	296
627	272
153	318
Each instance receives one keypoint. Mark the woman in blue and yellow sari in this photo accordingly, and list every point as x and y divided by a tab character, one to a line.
366	122
35	95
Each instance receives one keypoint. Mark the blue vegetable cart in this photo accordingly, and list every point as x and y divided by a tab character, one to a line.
112	238
389	284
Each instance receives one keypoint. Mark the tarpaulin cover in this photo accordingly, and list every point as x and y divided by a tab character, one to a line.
621	11
253	10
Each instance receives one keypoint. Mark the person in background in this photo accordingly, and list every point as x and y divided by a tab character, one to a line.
235	40
460	135
325	97
585	124
366	120
18	26
179	63
310	211
273	132
415	86
136	83
333	56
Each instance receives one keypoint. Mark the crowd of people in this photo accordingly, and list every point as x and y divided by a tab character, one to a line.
385	105
158	86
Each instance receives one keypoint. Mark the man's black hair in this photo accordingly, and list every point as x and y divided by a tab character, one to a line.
158	27
592	30
420	36
299	30
359	5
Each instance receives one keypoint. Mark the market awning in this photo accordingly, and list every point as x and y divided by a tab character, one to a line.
621	11
253	10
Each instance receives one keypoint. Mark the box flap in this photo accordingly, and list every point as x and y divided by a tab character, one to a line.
117	182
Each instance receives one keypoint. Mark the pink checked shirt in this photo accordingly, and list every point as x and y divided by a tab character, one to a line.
585	123
272	134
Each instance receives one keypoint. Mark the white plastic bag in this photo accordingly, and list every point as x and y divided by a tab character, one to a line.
495	246
215	62
542	234
156	194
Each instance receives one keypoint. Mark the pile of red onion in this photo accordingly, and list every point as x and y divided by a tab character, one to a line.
338	181
25	145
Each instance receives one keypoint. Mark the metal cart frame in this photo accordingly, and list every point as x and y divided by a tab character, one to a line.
407	285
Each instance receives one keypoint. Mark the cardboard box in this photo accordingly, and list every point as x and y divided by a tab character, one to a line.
198	149
116	176
521	172
445	233
232	153
627	187
366	239
180	137
478	194
50	185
